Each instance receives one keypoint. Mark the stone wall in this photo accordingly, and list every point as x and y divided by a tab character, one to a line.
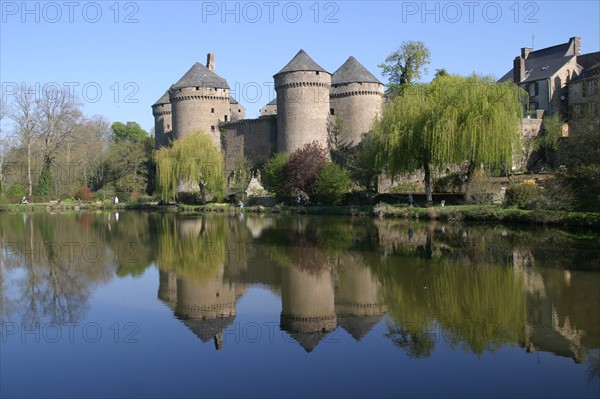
162	124
255	139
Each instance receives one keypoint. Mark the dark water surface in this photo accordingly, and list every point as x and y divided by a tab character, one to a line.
151	305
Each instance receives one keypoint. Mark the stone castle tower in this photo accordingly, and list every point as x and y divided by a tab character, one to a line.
200	101
302	88
161	110
356	100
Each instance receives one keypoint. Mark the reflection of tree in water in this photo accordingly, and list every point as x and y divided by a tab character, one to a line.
311	243
192	247
55	264
484	286
416	343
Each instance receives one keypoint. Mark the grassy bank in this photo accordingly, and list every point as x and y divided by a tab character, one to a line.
479	213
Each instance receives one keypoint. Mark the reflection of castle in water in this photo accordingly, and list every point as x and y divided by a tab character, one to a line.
314	301
321	291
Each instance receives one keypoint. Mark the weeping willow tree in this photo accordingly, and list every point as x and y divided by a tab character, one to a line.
448	121
191	161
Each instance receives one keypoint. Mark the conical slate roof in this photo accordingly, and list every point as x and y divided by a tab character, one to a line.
352	71
358	326
308	341
208	328
200	76
301	62
164	99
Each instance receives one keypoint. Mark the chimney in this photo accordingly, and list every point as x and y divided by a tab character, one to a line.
576	43
210	61
525	52
518	69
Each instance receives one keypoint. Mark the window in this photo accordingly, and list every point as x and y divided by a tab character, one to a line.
576	110
225	118
212	110
534	89
331	111
168	127
197	88
317	72
212	129
592	107
533	106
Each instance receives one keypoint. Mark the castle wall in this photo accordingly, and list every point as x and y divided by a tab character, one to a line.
302	109
199	108
162	124
255	139
355	105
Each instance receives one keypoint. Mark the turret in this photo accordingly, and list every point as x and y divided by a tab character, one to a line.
302	88
161	110
356	100
200	100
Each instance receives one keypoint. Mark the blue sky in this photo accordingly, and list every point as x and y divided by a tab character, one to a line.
120	57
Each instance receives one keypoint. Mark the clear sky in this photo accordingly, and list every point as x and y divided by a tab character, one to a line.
120	57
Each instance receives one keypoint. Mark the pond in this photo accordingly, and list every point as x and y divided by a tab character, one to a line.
137	304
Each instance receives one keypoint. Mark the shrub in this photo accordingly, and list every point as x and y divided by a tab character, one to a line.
84	193
522	195
451	183
302	168
555	195
16	190
134	196
331	184
273	174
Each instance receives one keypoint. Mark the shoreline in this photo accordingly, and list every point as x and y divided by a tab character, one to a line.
450	213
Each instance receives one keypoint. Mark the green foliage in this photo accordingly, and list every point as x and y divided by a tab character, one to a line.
240	178
551	132
363	166
331	184
127	165
555	195
16	190
191	161
84	193
522	195
273	174
405	187
131	131
450	183
450	120
405	65
45	183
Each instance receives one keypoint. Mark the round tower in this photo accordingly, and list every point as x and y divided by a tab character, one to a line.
161	110
200	101
356	100
302	88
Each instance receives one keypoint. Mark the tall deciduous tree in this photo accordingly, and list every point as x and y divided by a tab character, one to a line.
450	120
193	160
129	131
24	114
405	65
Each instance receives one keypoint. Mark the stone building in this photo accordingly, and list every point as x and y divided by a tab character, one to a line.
545	74
310	106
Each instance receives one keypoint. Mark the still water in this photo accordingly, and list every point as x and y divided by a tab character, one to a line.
152	305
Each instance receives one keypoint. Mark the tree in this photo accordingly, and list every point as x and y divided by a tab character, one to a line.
193	160
302	168
126	166
405	65
450	120
331	184
130	131
273	174
24	115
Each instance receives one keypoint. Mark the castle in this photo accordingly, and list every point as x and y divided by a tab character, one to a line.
311	105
